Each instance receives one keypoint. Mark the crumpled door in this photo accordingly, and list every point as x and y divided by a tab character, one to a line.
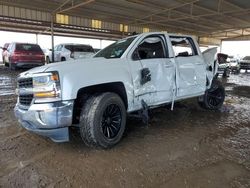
161	87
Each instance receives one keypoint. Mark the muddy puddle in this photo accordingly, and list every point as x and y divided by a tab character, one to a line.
242	79
187	147
7	81
7	85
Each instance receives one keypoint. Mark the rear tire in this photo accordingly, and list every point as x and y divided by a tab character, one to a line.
63	59
12	66
102	120
226	73
47	60
214	97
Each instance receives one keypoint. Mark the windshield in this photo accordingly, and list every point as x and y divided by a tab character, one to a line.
116	49
246	58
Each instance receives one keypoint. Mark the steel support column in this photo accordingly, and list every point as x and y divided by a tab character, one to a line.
36	38
52	38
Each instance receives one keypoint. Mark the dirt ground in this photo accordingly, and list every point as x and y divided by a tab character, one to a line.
188	147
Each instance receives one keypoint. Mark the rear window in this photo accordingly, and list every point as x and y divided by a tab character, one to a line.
79	48
183	46
28	47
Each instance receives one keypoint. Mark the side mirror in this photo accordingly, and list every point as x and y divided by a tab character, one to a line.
50	49
145	76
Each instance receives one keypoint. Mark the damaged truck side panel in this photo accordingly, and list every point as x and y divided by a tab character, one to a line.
131	75
173	77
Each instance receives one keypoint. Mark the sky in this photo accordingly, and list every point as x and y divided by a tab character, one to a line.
235	48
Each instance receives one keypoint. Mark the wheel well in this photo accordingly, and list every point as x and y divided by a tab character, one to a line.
63	58
84	93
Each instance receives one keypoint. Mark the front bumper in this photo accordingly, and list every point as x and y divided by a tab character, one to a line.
28	64
47	119
221	70
245	66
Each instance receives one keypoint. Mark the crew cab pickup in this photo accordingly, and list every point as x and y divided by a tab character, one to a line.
130	76
245	63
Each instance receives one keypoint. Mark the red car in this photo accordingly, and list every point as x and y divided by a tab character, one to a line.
4	52
24	55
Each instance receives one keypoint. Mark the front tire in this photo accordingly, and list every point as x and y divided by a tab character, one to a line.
214	97
102	120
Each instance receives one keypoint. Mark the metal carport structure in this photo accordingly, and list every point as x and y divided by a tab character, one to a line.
210	20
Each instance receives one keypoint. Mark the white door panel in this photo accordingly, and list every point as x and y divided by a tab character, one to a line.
186	76
191	75
160	88
152	54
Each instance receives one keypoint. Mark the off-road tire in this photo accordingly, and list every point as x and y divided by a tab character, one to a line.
226	73
91	119
237	71
214	97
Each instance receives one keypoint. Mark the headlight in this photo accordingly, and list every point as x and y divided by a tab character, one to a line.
46	87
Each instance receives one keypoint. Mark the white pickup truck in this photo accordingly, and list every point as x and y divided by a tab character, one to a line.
132	75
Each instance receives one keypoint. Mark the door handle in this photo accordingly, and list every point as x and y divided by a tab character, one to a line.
167	66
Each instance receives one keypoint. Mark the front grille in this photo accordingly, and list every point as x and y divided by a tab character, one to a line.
245	64
221	69
25	83
25	99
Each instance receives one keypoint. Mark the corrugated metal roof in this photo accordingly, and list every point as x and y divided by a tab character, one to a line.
209	18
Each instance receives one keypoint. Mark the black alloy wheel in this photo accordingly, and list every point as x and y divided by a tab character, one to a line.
102	120
111	121
215	96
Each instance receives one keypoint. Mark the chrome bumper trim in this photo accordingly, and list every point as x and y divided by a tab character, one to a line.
47	119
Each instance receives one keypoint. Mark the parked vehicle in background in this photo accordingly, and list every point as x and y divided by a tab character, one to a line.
96	50
234	65
245	63
223	68
132	75
4	51
65	52
24	55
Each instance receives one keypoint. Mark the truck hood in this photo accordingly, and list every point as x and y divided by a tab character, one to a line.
245	61
71	65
